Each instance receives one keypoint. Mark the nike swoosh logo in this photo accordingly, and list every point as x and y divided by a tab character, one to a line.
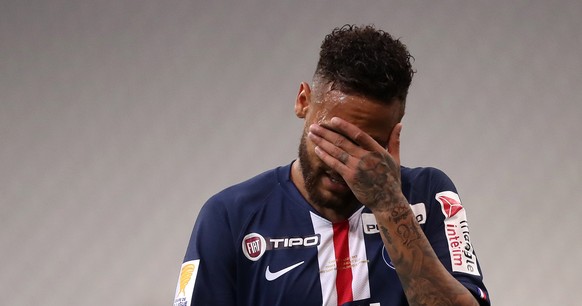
271	276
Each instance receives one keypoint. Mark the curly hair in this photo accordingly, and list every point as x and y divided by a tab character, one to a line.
365	61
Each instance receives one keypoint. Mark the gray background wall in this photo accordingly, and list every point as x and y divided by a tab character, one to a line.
118	119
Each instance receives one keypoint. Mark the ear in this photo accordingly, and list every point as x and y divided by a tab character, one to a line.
303	100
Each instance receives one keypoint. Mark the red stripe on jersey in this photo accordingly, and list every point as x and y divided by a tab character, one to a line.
343	279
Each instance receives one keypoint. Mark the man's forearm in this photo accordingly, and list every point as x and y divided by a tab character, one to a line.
424	279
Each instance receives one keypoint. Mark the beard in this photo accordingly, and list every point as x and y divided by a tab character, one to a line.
312	176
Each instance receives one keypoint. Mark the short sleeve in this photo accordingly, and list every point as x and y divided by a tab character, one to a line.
447	229
208	273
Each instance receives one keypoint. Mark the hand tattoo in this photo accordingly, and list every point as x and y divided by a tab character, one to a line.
377	181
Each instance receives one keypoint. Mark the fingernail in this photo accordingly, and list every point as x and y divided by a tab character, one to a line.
312	136
317	150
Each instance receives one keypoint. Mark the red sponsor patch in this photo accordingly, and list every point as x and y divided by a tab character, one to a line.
463	258
450	206
254	246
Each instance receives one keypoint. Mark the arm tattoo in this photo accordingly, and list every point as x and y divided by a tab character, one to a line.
386	234
399	213
408	233
424	280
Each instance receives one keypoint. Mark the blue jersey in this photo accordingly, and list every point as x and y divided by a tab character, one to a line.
261	243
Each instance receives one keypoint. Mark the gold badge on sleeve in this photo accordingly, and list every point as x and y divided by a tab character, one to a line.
186	281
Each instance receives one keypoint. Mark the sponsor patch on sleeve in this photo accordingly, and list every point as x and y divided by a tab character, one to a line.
186	281
463	258
419	211
371	226
369	223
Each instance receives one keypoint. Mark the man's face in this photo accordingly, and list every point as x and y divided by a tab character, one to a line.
324	187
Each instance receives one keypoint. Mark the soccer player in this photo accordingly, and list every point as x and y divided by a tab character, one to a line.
345	223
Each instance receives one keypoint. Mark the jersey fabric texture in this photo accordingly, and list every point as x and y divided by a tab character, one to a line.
260	243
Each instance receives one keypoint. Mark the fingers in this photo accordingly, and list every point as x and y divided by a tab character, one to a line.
331	161
334	138
333	155
354	133
341	144
394	143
